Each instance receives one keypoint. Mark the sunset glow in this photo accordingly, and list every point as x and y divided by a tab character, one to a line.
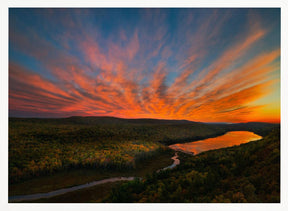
230	139
207	65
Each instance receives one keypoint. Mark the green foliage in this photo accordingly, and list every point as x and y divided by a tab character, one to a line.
43	146
246	173
249	173
41	149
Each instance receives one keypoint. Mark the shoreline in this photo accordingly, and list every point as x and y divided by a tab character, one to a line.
36	196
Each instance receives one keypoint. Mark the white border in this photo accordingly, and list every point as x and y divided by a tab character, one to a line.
147	3
283	4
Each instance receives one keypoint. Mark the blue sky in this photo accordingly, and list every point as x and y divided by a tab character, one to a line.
211	65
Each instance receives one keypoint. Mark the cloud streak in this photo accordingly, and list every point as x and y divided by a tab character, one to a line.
147	71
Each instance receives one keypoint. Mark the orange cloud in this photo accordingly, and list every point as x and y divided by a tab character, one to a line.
113	83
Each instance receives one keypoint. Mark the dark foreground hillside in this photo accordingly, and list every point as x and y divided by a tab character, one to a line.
49	154
246	173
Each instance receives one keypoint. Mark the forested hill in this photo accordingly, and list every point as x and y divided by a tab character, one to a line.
115	120
164	131
43	146
259	128
246	173
106	120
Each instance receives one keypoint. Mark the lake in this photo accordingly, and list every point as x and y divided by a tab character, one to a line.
229	139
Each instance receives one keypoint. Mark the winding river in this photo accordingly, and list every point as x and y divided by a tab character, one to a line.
229	139
66	190
36	196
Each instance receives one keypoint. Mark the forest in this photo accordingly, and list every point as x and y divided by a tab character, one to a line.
246	173
40	149
43	146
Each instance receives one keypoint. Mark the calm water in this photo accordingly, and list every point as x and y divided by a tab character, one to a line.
66	190
229	139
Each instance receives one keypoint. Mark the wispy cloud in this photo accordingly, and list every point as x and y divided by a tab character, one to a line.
146	71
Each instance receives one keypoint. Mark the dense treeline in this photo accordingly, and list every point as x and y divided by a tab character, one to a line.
43	146
246	173
259	128
102	128
41	149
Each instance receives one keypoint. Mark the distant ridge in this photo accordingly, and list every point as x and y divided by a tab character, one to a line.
116	120
184	130
261	128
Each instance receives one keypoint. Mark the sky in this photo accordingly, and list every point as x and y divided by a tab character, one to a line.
204	65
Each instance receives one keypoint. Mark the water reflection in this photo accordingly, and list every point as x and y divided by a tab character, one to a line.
229	139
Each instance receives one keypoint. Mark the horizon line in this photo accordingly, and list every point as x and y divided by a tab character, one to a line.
143	119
